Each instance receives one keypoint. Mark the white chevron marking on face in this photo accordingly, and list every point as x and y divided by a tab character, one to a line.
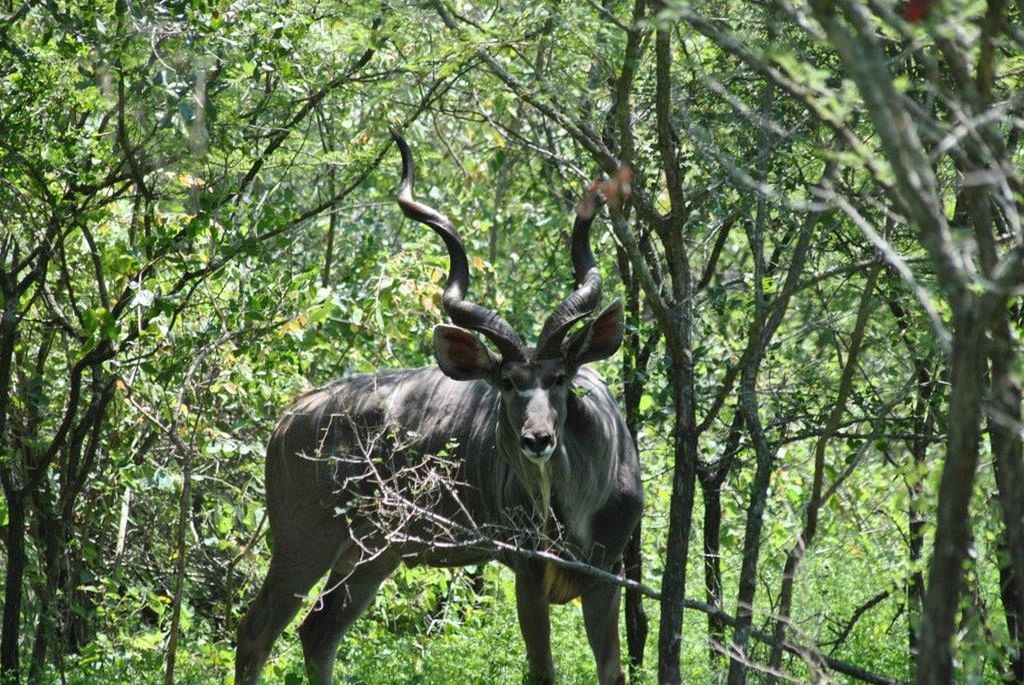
538	457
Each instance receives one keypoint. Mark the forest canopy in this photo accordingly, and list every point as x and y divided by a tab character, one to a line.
820	259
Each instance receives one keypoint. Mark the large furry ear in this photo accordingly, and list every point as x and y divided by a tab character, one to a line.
598	339
461	355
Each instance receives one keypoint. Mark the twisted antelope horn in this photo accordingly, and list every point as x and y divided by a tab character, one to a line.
587	295
462	312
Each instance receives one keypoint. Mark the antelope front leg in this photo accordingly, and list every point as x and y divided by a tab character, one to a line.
601	618
535	625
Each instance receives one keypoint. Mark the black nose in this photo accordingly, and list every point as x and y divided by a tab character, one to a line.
537	442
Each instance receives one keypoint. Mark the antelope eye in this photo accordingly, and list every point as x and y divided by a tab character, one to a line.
560	379
506	383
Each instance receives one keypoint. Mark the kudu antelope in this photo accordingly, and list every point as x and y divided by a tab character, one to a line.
484	456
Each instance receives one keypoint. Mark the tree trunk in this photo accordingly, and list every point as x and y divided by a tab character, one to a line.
10	632
636	617
13	580
712	495
684	475
751	541
923	434
1004	438
635	357
47	596
915	584
1011	600
953	523
711	475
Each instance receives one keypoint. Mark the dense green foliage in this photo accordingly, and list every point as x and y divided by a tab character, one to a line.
197	222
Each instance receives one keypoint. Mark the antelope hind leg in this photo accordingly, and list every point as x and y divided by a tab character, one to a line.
283	591
346	595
